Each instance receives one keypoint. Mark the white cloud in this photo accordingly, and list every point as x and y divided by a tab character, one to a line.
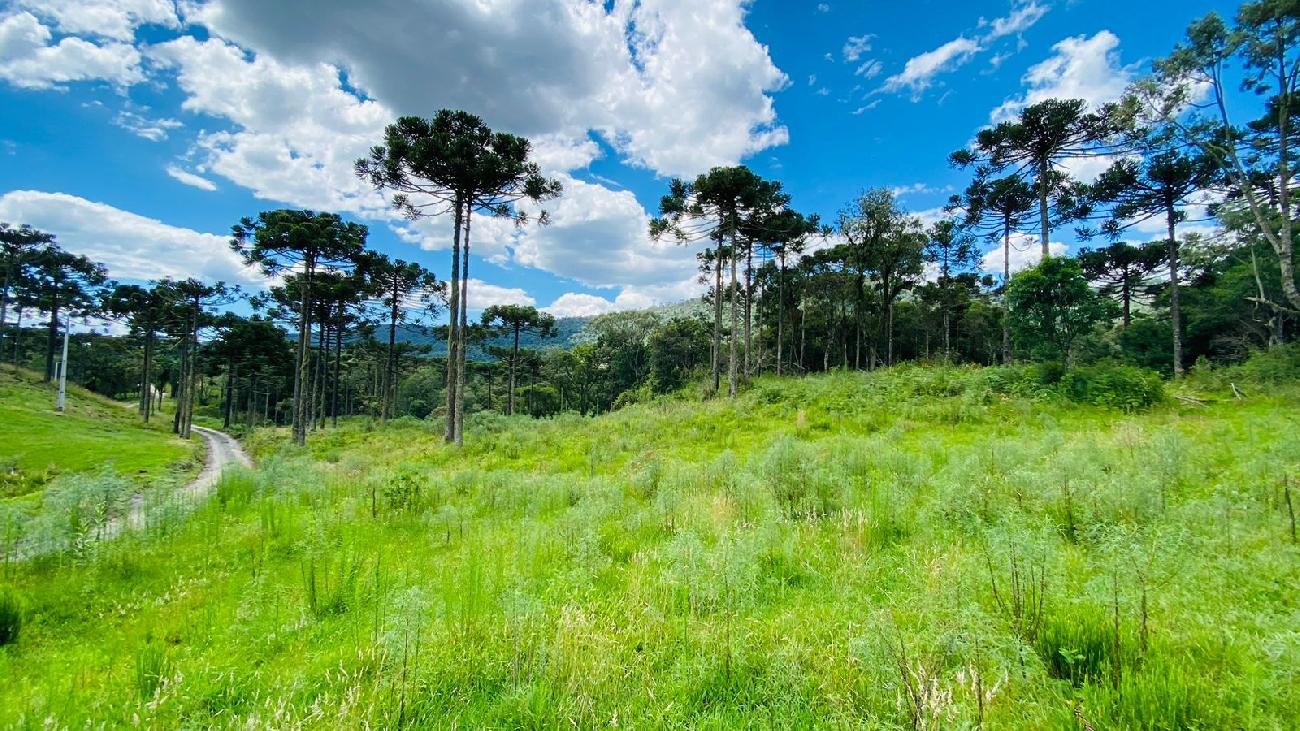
577	304
1026	251
674	85
1016	23
298	131
601	238
870	69
132	246
141	125
116	19
1079	68
482	295
823	8
29	60
188	178
855	46
919	71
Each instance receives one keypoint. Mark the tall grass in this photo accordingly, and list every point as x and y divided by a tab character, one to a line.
917	548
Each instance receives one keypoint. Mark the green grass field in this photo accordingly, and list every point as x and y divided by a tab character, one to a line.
93	434
907	549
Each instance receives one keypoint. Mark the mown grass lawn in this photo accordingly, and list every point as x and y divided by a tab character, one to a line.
906	549
91	435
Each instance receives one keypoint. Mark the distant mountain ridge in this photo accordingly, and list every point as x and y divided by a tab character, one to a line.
569	331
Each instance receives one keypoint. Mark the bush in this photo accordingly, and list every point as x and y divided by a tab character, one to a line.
1112	385
11	616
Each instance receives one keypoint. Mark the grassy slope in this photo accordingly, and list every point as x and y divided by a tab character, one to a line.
817	553
93	433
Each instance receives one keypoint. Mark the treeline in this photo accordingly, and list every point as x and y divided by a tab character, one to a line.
786	292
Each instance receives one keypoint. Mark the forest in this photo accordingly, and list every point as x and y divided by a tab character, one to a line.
877	475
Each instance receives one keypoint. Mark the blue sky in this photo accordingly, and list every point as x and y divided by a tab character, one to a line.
138	131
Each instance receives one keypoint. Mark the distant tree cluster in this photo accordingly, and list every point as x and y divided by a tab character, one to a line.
785	291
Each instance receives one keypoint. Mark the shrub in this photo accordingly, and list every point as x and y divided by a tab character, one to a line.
1116	386
11	616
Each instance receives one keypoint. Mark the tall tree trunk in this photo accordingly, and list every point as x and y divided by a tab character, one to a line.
735	325
230	391
304	347
338	359
1006	282
514	360
749	297
322	373
780	313
1126	299
1044	169
717	318
147	401
1175	313
52	337
464	329
18	331
390	389
453	324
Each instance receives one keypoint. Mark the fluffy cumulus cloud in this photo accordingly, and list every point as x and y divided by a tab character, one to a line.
1081	67
637	72
132	246
287	104
31	59
483	295
1026	251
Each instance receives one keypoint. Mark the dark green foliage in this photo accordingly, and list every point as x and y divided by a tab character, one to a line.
1052	305
1113	385
11	616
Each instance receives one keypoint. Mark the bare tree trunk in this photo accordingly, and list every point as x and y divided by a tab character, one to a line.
338	361
52	338
780	314
749	297
304	347
1175	312
453	324
390	389
1006	281
514	360
1043	170
464	328
731	298
717	318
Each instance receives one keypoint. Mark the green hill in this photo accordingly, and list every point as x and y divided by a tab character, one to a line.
913	548
94	433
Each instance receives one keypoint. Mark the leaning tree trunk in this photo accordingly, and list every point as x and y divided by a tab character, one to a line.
1175	313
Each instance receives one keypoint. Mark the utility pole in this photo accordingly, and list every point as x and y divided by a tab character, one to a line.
63	370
